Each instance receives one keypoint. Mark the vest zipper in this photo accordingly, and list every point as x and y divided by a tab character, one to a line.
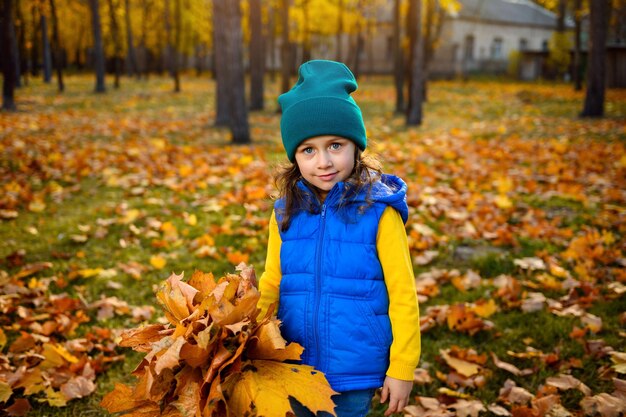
318	286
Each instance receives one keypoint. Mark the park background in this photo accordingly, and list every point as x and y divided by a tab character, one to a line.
119	167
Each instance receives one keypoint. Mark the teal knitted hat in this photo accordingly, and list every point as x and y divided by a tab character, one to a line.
320	104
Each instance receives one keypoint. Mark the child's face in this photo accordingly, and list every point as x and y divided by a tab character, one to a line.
325	160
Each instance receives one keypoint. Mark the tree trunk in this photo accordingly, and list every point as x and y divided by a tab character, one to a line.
220	69
358	44
231	69
414	114
16	47
257	56
199	54
271	40
143	62
131	56
577	73
24	58
175	57
35	49
410	34
285	57
596	70
341	8
560	15
58	54
47	56
98	48
306	41
117	44
429	41
7	32
398	66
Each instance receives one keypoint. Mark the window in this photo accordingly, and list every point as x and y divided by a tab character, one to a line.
468	49
523	44
496	48
544	45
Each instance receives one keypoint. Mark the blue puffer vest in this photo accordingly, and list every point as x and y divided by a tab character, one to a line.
333	298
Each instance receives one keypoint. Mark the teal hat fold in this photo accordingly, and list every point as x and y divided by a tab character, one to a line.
320	104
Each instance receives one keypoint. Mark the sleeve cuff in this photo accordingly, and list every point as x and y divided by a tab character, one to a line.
402	371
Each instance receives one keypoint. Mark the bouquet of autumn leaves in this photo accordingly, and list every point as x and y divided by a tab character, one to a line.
213	358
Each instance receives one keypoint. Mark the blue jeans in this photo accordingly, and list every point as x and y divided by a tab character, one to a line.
347	404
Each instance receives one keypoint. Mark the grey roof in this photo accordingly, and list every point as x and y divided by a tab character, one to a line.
521	12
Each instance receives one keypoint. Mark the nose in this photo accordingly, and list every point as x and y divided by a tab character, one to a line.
324	160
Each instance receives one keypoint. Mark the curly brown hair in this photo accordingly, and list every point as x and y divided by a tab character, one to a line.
367	170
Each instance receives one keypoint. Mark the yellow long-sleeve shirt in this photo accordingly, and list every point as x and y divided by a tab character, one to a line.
395	259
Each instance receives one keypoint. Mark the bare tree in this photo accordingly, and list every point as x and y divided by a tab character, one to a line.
131	56
306	41
117	44
58	55
175	58
7	32
596	70
98	48
285	56
359	42
341	8
271	39
230	68
398	65
222	109
36	44
47	55
416	92
577	76
257	56
23	58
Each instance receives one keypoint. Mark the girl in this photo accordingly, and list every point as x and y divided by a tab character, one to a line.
338	261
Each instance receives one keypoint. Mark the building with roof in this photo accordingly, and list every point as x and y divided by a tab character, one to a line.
479	37
483	35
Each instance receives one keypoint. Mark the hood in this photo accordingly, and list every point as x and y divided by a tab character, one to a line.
388	189
391	190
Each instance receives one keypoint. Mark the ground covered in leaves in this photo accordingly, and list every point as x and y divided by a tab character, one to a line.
517	227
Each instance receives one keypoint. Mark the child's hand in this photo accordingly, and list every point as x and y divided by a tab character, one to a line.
397	391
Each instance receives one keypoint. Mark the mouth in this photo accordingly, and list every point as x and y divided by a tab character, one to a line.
327	177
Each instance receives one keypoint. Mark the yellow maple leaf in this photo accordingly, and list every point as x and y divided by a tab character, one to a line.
271	345
464	368
174	300
90	272
619	362
485	308
268	385
158	262
452	393
54	398
56	355
503	201
5	392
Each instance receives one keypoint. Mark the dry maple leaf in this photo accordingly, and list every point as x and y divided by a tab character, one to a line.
214	358
467	408
604	404
565	382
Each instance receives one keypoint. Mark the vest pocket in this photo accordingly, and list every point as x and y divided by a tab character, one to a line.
358	341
